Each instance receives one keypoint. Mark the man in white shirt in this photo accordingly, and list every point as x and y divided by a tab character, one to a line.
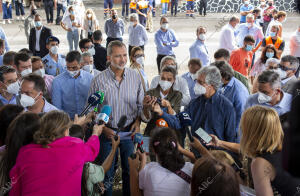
227	39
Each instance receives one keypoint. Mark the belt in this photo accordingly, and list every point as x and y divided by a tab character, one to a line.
125	129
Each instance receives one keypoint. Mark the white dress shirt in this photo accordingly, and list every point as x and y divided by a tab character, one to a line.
227	39
37	38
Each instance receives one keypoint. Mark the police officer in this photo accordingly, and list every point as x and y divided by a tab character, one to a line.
54	63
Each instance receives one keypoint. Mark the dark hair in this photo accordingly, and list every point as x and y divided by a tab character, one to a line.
164	143
222	53
163	17
39	83
210	177
269	76
256	10
264	58
133	51
225	69
171	70
82	42
195	61
76	131
73	56
5	70
2	42
294	62
19	133
21	56
7	114
35	59
113	44
26	50
9	58
249	38
97	35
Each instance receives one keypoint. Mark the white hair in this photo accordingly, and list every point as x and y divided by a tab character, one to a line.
212	76
272	61
133	16
250	16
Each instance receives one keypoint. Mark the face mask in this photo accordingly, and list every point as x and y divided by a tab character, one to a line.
249	48
199	89
246	2
40	72
165	85
193	76
54	50
27	101
72	12
201	37
88	68
26	72
258	17
114	17
91	51
74	73
164	26
272	34
249	25
38	24
269	54
263	3
131	23
89	15
284	20
140	60
281	73
13	88
263	98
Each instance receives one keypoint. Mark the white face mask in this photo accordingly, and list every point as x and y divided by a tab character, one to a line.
54	50
165	85
74	73
26	72
246	2
27	101
140	60
249	25
89	15
193	76
199	89
40	72
201	37
164	26
88	68
263	98
131	24
13	88
92	51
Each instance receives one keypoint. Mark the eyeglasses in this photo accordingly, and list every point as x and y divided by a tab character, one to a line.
285	68
139	55
89	47
275	67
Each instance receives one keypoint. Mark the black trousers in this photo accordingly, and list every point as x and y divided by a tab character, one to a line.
110	39
203	5
130	48
158	60
49	5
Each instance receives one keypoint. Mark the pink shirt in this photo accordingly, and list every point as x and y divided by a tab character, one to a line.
52	171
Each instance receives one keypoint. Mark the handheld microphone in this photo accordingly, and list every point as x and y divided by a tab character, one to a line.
121	125
103	116
138	144
161	123
186	122
93	100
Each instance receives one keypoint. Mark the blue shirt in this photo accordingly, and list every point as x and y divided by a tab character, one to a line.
48	107
137	35
282	107
3	36
215	115
70	94
168	38
238	94
1	60
5	102
52	67
242	31
114	30
199	51
245	9
191	84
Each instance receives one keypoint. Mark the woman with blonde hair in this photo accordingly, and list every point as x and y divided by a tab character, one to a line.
90	23
279	18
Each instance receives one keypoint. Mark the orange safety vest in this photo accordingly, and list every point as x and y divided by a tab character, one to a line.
132	5
143	4
277	43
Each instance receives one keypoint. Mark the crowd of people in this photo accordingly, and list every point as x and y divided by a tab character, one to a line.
243	108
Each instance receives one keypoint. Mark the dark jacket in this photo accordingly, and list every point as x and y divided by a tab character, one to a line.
100	57
45	33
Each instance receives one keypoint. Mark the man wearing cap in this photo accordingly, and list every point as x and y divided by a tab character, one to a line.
54	62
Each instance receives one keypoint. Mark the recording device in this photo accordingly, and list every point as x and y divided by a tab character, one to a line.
121	125
203	135
161	123
159	101
93	100
186	123
103	116
138	144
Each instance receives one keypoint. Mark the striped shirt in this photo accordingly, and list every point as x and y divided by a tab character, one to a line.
124	98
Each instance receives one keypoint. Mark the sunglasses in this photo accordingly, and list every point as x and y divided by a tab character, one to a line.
285	68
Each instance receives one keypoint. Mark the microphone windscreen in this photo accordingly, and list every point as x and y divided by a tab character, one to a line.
122	121
94	99
185	119
138	138
161	123
104	114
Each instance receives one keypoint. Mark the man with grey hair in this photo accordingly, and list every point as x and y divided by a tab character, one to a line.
124	94
137	33
180	83
270	93
87	64
210	111
227	39
287	69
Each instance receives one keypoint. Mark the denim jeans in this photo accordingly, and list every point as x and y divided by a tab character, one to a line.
19	7
126	149
49	5
174	4
59	8
125	9
164	7
73	38
6	11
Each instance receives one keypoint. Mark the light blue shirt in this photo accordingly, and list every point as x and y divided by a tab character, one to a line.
48	107
242	31
70	94
238	94
199	51
114	30
1	60
191	84
137	35
3	36
168	38
245	9
282	107
52	67
5	102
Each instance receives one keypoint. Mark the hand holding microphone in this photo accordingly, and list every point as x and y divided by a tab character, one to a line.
121	125
186	123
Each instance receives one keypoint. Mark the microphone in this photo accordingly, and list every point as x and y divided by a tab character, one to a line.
103	116
138	144
161	123
121	125
186	122
93	100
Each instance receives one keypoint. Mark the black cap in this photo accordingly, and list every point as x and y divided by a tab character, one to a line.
52	39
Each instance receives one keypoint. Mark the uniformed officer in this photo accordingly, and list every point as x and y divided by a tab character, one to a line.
54	63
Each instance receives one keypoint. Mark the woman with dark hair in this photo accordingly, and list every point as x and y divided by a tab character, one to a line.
170	175
54	164
19	133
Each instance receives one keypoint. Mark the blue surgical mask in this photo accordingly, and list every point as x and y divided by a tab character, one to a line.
272	34
249	47
38	24
269	54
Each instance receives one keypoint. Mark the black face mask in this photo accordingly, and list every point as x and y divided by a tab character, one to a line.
33	12
258	17
270	4
114	17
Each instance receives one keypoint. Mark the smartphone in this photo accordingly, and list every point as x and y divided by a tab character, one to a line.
203	135
146	141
